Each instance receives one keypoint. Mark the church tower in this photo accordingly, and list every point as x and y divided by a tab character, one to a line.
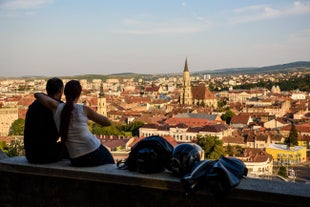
186	97
102	102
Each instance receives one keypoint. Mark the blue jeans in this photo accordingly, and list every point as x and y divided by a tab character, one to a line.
100	156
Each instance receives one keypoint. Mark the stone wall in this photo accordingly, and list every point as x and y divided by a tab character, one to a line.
59	184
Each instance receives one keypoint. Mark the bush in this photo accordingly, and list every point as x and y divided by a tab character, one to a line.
282	172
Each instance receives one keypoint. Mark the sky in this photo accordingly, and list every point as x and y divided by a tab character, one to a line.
76	37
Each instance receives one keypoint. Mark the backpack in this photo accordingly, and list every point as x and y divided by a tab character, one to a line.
219	176
149	155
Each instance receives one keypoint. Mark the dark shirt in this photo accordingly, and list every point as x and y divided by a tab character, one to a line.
41	135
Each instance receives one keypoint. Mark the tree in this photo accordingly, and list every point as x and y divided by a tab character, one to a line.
132	127
292	139
97	129
282	172
221	103
212	146
227	116
230	150
15	148
2	145
17	127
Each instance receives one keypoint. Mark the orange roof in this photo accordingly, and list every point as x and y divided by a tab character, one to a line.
170	139
255	155
240	119
202	92
300	128
192	122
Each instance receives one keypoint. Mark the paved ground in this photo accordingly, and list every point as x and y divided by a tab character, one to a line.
302	172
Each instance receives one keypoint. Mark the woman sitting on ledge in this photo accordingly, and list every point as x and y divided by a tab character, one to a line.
72	122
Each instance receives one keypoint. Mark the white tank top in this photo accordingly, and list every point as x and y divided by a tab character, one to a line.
80	140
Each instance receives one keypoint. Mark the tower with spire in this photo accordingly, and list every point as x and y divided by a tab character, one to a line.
102	102
186	96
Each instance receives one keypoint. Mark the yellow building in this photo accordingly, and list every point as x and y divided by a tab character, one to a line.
282	154
7	117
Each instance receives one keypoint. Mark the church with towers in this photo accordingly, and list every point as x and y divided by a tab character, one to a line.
195	95
102	102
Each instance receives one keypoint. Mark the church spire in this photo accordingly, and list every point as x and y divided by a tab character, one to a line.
186	93
102	102
101	93
186	67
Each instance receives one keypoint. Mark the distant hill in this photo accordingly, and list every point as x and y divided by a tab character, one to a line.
283	68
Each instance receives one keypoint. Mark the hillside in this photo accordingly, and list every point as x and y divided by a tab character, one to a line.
301	66
283	68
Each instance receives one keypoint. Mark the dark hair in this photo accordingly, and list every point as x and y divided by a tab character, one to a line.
53	86
72	91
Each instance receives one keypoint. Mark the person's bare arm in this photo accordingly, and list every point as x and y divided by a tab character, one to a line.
94	116
47	101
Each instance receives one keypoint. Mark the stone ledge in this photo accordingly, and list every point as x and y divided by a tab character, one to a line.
254	190
105	173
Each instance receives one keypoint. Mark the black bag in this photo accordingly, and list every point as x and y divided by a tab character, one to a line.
150	155
219	176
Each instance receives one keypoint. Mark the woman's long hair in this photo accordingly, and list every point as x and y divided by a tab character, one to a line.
72	91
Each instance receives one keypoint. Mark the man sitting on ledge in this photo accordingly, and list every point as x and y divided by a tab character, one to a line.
40	133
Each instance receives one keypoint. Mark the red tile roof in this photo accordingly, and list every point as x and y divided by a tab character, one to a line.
202	92
152	89
191	122
234	140
240	119
170	139
300	128
255	155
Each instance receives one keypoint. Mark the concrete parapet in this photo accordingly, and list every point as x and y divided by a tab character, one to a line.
59	184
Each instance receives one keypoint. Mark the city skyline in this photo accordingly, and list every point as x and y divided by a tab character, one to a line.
57	38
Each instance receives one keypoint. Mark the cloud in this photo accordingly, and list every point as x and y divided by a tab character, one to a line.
183	3
255	13
249	8
138	27
300	8
163	30
23	4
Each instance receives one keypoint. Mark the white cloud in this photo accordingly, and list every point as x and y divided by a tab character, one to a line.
255	13
134	26
23	4
163	30
249	8
300	8
183	3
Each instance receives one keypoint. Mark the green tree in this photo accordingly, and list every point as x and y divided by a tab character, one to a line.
282	172
212	146
132	127
2	145
230	150
15	148
221	103
292	139
97	129
112	130
17	127
227	116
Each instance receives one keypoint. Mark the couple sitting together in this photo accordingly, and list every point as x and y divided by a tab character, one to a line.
48	118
